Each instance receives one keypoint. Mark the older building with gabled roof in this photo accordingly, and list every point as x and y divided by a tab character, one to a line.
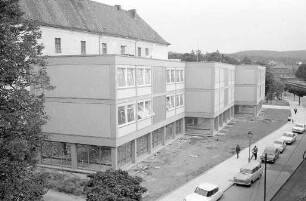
71	27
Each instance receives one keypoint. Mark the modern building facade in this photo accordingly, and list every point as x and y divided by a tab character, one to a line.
117	98
249	88
210	89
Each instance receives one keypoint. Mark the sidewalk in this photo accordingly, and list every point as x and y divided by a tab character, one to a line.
223	173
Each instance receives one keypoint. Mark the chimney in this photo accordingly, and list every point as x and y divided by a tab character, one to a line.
133	13
118	7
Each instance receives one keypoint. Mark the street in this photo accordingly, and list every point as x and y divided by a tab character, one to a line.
277	174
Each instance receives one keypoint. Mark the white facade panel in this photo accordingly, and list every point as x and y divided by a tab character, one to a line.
142	123
126	129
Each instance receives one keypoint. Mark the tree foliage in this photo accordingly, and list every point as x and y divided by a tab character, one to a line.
21	112
114	185
297	90
301	72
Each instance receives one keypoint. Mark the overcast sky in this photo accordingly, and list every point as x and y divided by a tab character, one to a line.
224	25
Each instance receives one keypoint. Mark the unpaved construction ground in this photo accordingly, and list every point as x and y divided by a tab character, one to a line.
190	156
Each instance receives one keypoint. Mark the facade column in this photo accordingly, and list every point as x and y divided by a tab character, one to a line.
150	143
183	126
114	157
164	136
216	122
134	150
174	130
74	156
211	126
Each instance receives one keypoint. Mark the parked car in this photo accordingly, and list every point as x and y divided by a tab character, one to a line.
205	192
249	173
272	154
289	137
299	128
280	144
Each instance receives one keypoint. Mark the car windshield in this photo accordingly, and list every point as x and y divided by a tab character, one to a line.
278	142
245	171
269	151
299	125
201	191
288	134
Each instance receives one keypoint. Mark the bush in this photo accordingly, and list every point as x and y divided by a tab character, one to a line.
114	185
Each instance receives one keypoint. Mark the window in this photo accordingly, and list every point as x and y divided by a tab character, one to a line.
157	137
126	114
56	153
179	100
123	49
170	76
144	109
139	51
58	48
124	154
147	51
179	75
104	48
179	125
142	145
83	47
143	76
170	102
169	131
125	77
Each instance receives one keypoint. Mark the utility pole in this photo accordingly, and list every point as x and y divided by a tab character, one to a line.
265	182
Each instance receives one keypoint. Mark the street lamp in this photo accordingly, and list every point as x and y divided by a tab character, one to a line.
250	137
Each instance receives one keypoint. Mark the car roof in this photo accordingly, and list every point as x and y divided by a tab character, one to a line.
282	140
251	165
288	132
207	186
299	124
270	148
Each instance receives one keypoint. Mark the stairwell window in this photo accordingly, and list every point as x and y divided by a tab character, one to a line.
123	47
139	51
104	48
83	47
58	48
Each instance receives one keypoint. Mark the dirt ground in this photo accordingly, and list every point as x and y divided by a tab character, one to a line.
190	156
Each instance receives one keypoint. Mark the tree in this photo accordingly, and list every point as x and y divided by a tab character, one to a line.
296	89
114	185
301	72
21	111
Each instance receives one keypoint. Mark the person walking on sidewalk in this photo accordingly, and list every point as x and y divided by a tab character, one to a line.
254	152
289	118
295	110
237	150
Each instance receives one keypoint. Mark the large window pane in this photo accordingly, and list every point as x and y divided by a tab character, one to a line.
182	99
169	131
142	145
148	76
121	77
177	100
157	137
168	76
172	75
139	74
82	156
179	126
141	112
106	158
121	115
130	77
56	153
178	76
124	154
182	75
130	113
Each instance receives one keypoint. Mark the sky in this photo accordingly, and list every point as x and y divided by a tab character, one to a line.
225	25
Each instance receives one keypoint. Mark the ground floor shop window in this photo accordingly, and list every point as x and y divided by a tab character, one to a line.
56	153
124	154
93	157
169	131
179	126
142	145
157	137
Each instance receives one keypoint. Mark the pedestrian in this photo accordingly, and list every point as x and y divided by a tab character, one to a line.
237	150
289	118
292	120
254	152
295	110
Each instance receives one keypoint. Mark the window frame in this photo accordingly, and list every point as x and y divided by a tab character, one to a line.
104	48
169	105
139	51
83	47
123	49
58	45
126	122
126	81
143	113
144	76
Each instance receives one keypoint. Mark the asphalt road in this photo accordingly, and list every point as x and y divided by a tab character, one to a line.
277	175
